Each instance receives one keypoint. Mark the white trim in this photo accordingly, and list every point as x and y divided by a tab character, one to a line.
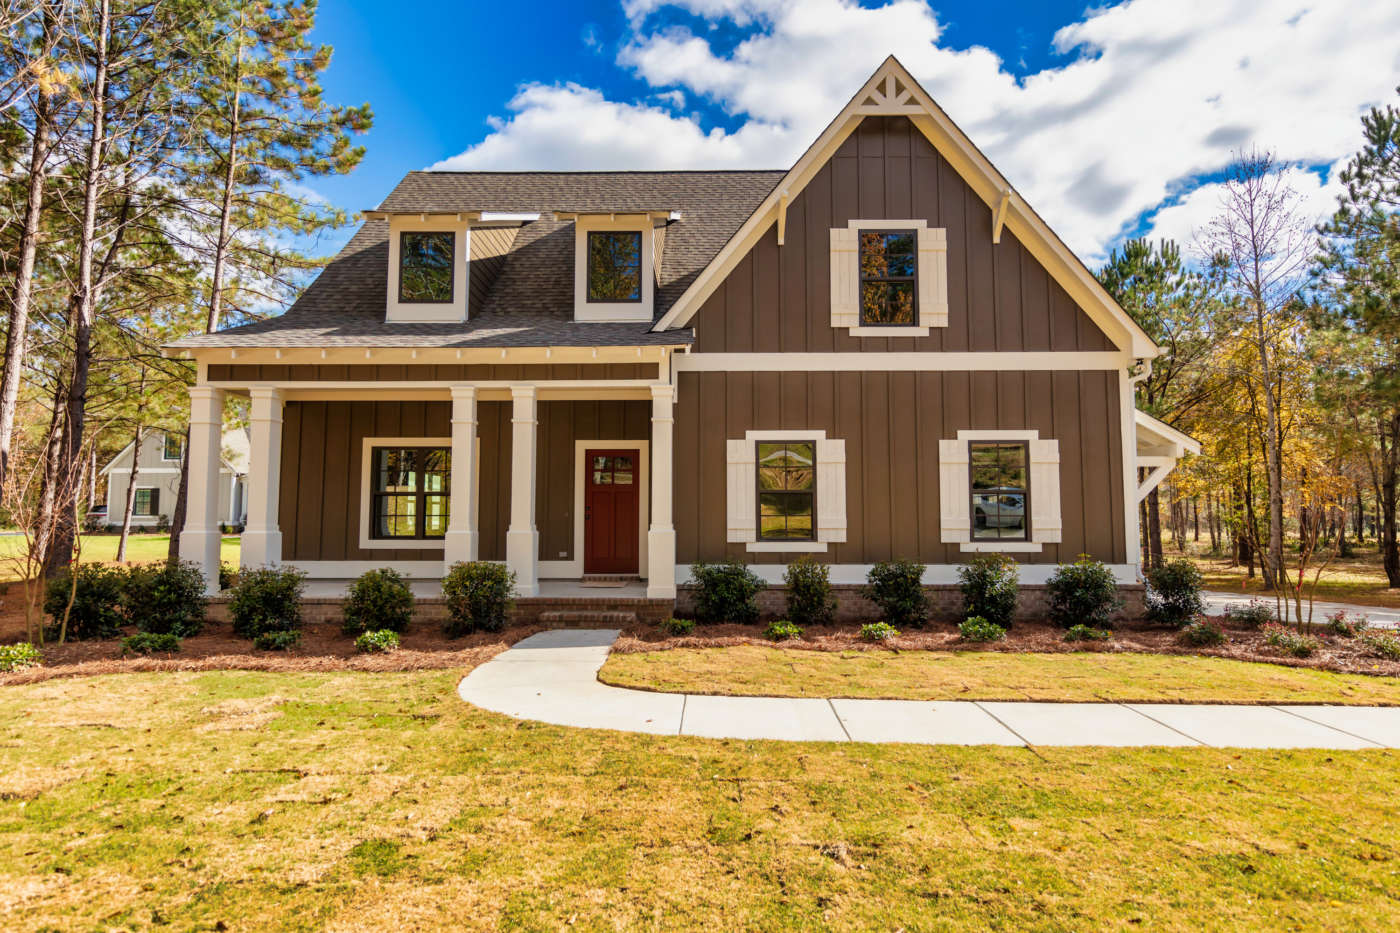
1166	432
398	355
934	574
661	531
522	535
900	361
593	311
1132	534
368	543
417	312
460	543
153	470
574	567
955	494
200	538
931	258
741	479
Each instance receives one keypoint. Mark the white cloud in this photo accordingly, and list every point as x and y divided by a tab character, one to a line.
1153	93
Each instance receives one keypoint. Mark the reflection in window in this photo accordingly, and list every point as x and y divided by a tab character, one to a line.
425	267
887	277
613	471
614	266
410	489
999	490
172	447
787	486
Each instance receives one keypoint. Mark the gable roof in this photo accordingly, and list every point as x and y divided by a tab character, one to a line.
233	455
530	302
890	91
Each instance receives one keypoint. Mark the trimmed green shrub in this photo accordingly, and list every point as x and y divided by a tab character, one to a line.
726	592
1254	614
266	601
97	600
277	641
19	657
676	626
1290	642
1380	645
809	600
166	599
378	599
897	587
782	630
479	595
878	631
1203	634
151	643
976	628
1345	626
380	640
989	587
1083	592
1174	593
1085	633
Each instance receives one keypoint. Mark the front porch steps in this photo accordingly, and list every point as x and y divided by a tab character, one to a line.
588	617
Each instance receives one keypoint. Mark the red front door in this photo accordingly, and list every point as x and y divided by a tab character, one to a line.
610	535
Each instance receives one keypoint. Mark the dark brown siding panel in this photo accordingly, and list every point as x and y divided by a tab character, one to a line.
535	372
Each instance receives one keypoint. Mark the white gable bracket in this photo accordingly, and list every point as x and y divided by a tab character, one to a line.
999	218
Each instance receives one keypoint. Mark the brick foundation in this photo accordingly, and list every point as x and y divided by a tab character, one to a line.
434	611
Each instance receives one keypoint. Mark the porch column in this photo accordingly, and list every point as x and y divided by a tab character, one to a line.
200	538
262	540
459	543
522	540
661	536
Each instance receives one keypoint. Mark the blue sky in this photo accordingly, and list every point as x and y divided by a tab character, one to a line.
1113	120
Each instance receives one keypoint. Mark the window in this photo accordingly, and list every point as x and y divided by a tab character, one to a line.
787	486
999	490
888	282
614	265
426	268
146	501
172	448
409	492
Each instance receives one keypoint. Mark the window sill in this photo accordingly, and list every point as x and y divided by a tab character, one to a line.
1005	547
402	544
770	547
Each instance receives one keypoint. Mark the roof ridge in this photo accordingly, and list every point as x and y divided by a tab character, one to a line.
603	171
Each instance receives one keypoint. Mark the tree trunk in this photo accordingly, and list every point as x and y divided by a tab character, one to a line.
48	486
1390	476
1359	528
1195	521
1154	531
130	495
182	495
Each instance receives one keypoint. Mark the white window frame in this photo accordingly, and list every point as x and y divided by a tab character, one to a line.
931	272
145	516
429	312
180	443
742	491
572	567
367	446
596	311
955	491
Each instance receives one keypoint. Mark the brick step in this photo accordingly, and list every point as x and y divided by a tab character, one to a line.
588	617
610	578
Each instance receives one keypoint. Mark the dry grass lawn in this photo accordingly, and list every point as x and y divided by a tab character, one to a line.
1357	579
986	675
359	801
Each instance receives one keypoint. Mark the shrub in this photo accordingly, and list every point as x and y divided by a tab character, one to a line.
162	524
1254	614
676	626
809	600
1085	633
97	600
277	641
976	628
1345	626
1174	593
151	643
989	588
377	641
1203	633
478	595
781	630
228	575
266	601
19	657
878	631
166	599
897	587
1380	645
379	599
1290	642
725	592
1083	592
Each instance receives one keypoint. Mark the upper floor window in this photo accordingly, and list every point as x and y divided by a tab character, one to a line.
171	449
787	491
888	278
426	267
409	490
614	265
1000	490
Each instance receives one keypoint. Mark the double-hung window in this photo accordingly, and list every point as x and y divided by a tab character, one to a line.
426	268
171	447
409	492
787	490
145	502
888	278
1000	490
614	265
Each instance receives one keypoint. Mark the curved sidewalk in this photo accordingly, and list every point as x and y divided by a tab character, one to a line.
553	677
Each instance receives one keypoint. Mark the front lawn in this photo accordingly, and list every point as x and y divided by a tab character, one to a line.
247	800
140	549
987	675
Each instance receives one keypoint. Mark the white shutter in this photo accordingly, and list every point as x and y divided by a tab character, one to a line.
845	277
831	490
933	277
954	491
742	476
1045	491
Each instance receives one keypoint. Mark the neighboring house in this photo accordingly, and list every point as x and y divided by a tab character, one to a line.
158	479
880	353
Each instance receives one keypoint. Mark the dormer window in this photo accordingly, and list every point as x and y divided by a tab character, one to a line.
426	270
614	265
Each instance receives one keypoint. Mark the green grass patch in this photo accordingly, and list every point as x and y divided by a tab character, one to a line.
989	675
140	549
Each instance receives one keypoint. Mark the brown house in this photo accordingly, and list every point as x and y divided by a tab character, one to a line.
882	352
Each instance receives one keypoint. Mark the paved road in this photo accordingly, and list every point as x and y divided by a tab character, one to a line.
553	677
1382	618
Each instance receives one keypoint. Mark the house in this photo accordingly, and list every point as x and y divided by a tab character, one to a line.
158	479
881	352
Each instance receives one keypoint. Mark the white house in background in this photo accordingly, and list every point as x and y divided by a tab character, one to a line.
158	478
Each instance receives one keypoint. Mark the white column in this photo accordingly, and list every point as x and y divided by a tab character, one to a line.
661	536
199	540
262	540
460	541
522	540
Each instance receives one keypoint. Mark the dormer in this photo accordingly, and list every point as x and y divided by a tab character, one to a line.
616	263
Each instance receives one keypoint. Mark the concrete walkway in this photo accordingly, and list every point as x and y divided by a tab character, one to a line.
1217	601
553	677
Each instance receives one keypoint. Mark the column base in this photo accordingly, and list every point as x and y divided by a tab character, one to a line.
458	546
522	557
260	549
661	563
201	546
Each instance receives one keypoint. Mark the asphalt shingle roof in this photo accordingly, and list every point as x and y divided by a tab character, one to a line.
530	304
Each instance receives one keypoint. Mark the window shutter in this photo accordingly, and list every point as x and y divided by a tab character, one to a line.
742	477
155	502
933	277
831	490
845	277
954	491
1045	491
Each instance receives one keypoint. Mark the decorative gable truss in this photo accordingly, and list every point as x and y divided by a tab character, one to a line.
932	269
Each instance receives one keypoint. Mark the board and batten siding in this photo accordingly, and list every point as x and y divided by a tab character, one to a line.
892	423
778	298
